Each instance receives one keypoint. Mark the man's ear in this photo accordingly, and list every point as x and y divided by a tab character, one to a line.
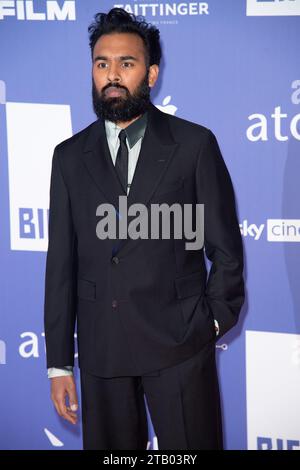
153	74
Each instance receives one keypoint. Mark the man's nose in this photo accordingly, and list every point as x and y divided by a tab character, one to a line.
113	74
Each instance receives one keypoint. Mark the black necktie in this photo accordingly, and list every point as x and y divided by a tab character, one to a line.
121	164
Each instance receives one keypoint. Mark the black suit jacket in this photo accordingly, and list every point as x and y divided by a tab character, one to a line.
141	305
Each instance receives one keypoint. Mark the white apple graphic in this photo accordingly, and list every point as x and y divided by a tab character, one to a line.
167	108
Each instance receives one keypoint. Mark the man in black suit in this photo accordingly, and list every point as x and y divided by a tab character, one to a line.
147	314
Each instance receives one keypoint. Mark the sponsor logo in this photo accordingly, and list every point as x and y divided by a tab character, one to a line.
279	124
272	388
269	443
166	9
283	230
251	230
273	7
277	230
31	345
29	168
166	107
30	11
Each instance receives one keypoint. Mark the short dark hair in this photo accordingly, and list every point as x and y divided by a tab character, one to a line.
117	20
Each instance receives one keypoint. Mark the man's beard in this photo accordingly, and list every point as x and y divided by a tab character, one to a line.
122	108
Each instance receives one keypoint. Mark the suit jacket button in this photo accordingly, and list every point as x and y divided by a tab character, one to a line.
115	260
114	304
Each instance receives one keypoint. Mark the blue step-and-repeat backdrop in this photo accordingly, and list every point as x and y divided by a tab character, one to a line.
231	65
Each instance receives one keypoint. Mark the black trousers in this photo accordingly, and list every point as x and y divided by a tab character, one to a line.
183	401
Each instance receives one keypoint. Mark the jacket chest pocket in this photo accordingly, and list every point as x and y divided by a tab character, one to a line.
169	191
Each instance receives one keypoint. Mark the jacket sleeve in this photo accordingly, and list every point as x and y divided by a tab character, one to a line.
60	275
222	238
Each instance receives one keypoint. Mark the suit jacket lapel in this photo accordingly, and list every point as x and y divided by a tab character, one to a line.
98	162
155	155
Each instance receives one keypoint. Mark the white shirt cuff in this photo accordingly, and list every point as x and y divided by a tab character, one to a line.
59	371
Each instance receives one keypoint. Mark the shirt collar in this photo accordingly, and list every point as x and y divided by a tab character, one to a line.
134	131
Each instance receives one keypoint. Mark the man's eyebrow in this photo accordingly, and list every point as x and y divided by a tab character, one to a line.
128	57
122	57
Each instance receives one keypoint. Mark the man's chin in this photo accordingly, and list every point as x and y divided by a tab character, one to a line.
114	102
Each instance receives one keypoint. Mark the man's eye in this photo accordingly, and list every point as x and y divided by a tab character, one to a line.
127	64
101	65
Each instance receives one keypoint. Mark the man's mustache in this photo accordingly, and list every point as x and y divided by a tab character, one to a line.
113	85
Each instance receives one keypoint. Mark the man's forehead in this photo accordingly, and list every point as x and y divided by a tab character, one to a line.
122	44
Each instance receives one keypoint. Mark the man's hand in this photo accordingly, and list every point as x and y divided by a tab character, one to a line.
62	387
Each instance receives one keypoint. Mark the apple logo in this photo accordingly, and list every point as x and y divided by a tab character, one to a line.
167	108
